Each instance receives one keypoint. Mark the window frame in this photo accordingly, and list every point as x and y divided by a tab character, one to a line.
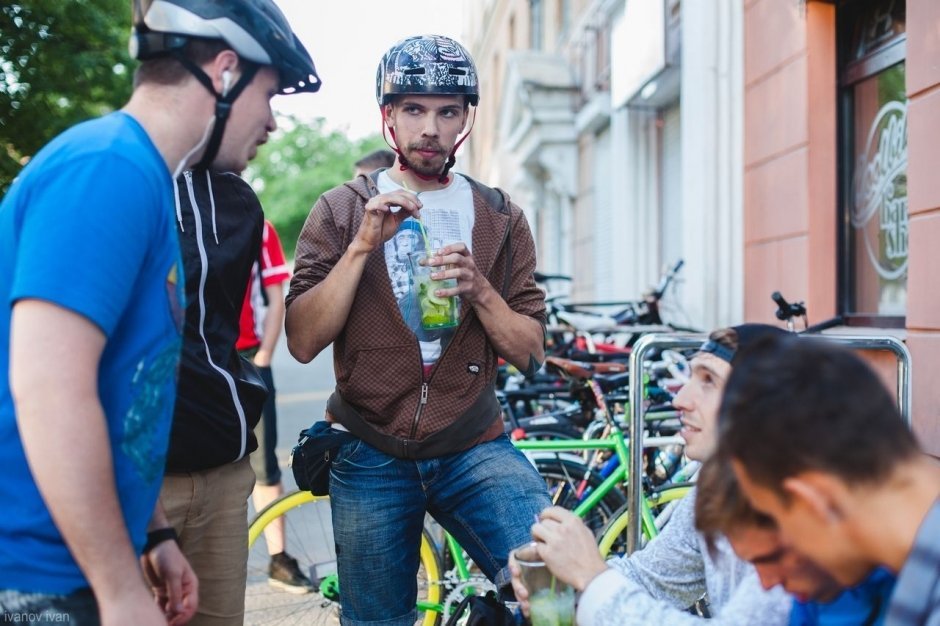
849	74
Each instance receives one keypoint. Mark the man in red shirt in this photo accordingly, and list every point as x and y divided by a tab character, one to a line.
262	319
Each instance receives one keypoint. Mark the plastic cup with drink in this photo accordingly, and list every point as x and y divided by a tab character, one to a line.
436	311
551	601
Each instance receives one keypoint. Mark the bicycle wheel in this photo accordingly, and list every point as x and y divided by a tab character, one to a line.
613	537
562	476
309	539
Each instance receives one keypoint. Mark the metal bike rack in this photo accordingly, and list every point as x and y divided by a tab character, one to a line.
690	340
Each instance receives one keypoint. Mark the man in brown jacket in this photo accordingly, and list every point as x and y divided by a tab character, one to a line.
420	401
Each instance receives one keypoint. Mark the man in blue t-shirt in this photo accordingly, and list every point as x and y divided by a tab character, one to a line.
819	600
89	337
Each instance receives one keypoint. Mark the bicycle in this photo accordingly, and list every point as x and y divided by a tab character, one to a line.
591	487
572	326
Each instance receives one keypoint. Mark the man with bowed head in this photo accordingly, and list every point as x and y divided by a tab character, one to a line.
420	405
91	277
817	444
657	584
818	599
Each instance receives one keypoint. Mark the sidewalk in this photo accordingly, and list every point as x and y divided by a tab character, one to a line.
302	392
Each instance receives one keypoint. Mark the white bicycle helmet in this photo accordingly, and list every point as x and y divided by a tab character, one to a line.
255	29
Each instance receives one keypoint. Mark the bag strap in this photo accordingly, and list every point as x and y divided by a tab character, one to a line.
458	613
260	276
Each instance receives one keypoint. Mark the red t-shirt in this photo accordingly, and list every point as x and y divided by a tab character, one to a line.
273	271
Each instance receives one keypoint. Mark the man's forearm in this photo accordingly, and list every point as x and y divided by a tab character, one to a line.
316	317
517	338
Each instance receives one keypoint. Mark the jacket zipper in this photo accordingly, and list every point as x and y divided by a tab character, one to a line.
420	409
424	383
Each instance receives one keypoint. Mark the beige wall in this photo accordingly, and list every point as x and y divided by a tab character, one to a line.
790	177
789	157
923	299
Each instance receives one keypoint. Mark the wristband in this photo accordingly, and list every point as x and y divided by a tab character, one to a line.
158	536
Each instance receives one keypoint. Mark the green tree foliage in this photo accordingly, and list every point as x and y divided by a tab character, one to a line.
301	161
61	62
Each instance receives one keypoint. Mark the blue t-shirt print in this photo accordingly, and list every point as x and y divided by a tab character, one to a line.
147	385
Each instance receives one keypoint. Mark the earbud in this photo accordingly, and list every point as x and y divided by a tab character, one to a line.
226	82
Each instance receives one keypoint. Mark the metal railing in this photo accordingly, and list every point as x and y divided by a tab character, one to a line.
690	340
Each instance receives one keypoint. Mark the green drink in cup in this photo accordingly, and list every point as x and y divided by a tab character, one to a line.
551	602
436	311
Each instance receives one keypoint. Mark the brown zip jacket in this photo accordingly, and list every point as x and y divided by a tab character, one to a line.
381	393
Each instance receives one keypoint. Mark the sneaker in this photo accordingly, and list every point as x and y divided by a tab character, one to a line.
285	574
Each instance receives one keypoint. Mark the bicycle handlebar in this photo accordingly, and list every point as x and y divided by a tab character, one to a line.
785	310
541	278
838	320
666	279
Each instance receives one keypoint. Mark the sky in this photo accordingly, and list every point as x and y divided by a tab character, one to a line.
346	39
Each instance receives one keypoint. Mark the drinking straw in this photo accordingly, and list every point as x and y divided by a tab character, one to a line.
424	231
551	585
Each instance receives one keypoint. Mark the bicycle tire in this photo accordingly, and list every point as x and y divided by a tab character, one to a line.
612	538
562	475
303	514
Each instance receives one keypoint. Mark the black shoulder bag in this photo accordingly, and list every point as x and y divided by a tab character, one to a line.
312	457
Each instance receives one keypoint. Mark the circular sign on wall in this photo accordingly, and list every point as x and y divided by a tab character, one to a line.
879	192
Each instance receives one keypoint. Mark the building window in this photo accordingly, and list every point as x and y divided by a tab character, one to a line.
535	24
873	156
564	17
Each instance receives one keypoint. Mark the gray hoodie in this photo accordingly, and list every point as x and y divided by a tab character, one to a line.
656	584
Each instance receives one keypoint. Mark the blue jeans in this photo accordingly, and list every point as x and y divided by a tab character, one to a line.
486	497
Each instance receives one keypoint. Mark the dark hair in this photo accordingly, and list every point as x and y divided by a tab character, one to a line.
793	405
375	160
720	505
166	70
727	337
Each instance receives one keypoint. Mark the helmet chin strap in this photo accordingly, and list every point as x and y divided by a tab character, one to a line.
223	103
443	177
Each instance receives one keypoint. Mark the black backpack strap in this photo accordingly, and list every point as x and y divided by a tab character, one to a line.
264	292
496	198
459	611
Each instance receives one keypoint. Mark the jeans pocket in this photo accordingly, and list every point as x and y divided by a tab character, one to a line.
347	452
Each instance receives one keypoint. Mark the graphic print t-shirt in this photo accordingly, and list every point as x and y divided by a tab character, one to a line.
447	215
89	226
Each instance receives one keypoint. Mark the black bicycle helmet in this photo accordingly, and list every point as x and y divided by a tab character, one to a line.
255	29
427	64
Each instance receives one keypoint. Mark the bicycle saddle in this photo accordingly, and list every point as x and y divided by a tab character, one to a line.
582	370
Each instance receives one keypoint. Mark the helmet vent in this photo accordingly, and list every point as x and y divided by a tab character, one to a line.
414	71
